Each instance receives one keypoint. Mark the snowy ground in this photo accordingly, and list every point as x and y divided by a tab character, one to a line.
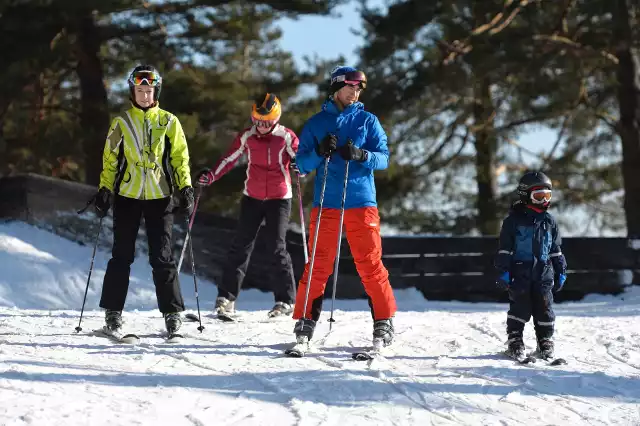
443	370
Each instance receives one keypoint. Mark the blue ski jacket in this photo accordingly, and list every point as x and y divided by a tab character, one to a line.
365	131
530	247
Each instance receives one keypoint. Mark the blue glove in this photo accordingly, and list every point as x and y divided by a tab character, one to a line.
559	282
503	281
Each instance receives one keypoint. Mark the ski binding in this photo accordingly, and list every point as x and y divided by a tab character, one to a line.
119	337
299	349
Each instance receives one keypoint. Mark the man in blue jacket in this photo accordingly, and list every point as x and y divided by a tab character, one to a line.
531	265
343	131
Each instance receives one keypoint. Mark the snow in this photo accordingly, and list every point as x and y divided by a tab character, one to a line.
442	370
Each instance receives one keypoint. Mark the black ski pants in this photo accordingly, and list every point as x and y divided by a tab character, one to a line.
276	215
527	299
158	219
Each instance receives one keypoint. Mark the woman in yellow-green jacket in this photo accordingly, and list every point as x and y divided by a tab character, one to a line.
145	159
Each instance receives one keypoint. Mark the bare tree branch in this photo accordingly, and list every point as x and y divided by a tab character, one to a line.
493	27
528	120
558	39
608	120
562	27
556	144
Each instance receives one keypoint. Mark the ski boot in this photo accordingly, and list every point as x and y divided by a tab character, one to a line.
113	322
225	309
383	332
545	348
303	329
173	322
516	348
280	308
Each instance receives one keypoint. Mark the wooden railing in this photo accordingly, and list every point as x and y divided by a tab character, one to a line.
442	268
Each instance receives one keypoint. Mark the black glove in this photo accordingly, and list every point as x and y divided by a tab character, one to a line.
102	202
293	166
350	152
327	145
186	200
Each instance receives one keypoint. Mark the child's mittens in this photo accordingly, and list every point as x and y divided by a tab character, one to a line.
503	281
558	282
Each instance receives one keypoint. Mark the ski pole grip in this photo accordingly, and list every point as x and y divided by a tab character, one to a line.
91	201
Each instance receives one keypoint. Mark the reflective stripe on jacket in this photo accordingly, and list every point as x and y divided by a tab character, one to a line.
269	157
145	155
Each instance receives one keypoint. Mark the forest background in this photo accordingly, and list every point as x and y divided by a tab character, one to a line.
471	94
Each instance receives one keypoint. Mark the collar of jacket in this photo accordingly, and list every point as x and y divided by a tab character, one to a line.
331	107
139	113
533	214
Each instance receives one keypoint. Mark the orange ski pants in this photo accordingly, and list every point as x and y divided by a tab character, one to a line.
362	229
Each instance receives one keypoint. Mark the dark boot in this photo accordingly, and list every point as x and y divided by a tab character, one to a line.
383	329
304	328
225	306
545	348
280	308
516	348
113	321
173	322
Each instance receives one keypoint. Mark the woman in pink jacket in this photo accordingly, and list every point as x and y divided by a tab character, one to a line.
269	147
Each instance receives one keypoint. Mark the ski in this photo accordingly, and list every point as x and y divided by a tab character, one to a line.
527	359
274	315
556	361
222	317
191	317
551	360
299	349
226	318
376	351
174	338
364	355
118	337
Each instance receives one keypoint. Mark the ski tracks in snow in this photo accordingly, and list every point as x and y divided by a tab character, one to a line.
443	369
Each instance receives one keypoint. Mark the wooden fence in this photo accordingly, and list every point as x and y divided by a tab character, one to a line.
442	268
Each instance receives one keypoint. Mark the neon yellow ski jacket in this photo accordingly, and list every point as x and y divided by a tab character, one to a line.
146	155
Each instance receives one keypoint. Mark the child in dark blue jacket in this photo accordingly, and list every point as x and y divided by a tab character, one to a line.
531	265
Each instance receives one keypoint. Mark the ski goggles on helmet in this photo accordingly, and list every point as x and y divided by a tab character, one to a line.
148	78
540	196
354	78
266	111
265	124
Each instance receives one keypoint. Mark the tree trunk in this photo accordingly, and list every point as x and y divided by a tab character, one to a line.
94	114
488	221
628	78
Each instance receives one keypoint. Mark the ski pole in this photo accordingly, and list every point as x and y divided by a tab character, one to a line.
193	269
86	290
189	225
315	236
304	234
337	261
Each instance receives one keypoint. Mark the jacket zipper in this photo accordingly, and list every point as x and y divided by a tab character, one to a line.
266	186
144	158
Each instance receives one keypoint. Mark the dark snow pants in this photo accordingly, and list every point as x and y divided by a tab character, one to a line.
158	219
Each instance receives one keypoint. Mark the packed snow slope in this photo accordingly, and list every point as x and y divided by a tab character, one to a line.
444	368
